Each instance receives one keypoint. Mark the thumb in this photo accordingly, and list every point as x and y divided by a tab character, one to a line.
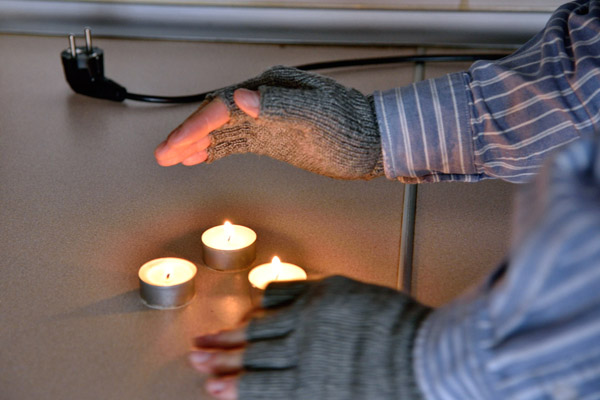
248	101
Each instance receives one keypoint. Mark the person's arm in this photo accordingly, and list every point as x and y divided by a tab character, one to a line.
498	119
531	330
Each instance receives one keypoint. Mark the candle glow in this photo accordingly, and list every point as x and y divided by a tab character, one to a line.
275	271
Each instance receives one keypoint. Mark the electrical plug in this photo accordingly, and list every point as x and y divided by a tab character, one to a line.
84	70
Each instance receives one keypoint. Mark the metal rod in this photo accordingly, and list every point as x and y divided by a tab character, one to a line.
88	40
72	45
409	210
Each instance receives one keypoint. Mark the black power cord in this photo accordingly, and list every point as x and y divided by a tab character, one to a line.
84	71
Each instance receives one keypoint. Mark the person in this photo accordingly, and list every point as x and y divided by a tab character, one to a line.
530	330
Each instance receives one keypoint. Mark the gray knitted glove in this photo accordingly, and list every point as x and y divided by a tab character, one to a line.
307	120
335	339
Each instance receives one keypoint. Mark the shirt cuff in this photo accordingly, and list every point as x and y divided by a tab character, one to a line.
425	131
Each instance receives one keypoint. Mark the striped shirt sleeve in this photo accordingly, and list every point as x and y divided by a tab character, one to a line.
531	330
498	119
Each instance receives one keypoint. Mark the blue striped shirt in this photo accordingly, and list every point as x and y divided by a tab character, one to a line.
531	330
498	119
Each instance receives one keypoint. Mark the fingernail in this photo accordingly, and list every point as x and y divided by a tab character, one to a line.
160	148
199	357
215	386
248	98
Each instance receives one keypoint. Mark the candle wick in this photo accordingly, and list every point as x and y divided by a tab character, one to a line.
168	276
229	238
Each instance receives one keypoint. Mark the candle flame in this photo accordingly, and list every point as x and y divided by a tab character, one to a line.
276	262
228	230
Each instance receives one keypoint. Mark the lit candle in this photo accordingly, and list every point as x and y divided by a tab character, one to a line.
275	271
228	247
167	282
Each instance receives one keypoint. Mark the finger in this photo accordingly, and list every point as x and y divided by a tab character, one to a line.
160	152
270	384
226	339
167	155
198	125
280	310
217	362
273	324
278	353
281	293
248	101
225	388
196	158
192	133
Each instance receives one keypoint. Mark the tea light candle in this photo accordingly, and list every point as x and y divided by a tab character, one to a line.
228	247
275	271
167	282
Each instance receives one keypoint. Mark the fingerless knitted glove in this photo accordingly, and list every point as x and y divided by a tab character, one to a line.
335	339
307	120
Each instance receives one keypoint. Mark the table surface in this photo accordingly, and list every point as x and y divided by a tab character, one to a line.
83	205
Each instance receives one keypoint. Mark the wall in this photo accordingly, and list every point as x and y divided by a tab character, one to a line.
283	22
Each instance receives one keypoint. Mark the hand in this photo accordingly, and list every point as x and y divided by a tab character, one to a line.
306	120
189	142
335	339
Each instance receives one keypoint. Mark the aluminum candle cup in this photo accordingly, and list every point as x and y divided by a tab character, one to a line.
167	283
229	247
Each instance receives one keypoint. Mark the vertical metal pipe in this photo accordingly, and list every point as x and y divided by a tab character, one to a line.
407	241
409	210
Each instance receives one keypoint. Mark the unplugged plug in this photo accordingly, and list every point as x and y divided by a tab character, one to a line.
84	71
